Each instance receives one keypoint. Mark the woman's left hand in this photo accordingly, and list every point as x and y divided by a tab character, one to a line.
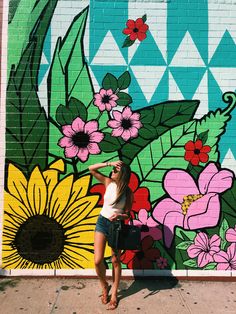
114	217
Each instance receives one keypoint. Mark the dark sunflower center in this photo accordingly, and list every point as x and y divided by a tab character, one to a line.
140	255
105	99
126	124
135	30
40	239
197	151
81	139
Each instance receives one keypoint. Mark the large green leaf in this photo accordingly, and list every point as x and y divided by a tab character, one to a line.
26	122
156	120
28	22
161	155
69	75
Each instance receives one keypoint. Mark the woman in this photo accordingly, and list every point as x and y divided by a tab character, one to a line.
118	200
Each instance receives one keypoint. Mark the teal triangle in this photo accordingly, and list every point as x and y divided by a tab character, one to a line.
187	79
161	94
100	71
148	53
225	54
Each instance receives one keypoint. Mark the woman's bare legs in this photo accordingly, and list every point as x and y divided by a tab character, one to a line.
99	249
116	274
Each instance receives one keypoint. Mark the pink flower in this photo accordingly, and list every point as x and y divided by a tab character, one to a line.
226	261
192	206
204	248
81	139
148	225
125	124
105	99
162	262
231	234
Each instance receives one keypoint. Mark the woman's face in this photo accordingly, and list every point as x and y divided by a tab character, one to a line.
114	174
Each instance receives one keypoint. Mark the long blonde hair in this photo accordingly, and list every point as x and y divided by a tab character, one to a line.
122	186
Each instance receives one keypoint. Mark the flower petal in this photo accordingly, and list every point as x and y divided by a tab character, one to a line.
13	206
231	251
143	216
133	132
113	124
71	152
127	31
141	36
37	192
206	149
126	113
143	28
117	132
198	144
172	219
164	207
202	240
189	145
96	137
178	183
194	250
139	22
130	23
205	177
78	125
17	184
91	126
203	213
231	235
65	142
221	257
204	259
68	131
203	157
221	182
126	135
117	115
83	154
188	155
93	148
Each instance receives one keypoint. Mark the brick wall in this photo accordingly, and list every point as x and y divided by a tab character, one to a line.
149	82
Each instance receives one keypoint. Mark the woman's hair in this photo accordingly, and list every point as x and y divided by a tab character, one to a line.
122	186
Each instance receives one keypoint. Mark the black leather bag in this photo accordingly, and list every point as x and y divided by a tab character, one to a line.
124	237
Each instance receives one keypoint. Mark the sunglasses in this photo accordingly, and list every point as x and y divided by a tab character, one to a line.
115	170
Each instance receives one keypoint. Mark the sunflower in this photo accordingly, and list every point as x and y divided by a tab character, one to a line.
48	223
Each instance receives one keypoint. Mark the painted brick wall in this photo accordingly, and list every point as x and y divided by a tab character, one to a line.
149	82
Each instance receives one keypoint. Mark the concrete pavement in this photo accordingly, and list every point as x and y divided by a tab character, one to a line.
81	296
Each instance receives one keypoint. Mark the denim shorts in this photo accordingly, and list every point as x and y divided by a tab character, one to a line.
103	225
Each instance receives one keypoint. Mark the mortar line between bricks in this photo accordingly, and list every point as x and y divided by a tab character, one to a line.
184	302
54	304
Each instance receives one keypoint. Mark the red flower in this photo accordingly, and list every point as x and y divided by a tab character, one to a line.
196	152
141	195
136	29
141	259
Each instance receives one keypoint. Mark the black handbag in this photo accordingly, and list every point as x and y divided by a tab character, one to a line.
124	237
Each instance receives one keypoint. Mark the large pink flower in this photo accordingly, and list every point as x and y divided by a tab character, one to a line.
148	225
105	99
204	248
81	139
192	206
125	124
231	234
226	261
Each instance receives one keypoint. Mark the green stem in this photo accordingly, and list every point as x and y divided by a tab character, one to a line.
51	120
58	157
230	98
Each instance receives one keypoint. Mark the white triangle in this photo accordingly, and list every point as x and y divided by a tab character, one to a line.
229	161
44	59
42	92
225	77
132	50
202	95
224	13
174	91
109	52
148	78
187	54
94	80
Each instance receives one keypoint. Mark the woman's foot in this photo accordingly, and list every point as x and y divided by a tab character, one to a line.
112	305
105	292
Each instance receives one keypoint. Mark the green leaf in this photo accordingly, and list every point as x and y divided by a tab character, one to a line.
185	235
223	228
165	254
203	136
160	117
184	245
162	155
144	18
210	266
124	99
128	42
109	143
192	263
65	115
69	75
30	23
124	80
194	171
110	81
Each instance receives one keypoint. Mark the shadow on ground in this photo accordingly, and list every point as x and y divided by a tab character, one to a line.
150	286
4	283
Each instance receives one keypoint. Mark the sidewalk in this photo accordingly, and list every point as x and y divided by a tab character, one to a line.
81	296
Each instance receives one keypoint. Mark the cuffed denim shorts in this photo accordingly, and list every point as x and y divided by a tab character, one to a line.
103	225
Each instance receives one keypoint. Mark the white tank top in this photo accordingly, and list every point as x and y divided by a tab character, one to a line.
109	197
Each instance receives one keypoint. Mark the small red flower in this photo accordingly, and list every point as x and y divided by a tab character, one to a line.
141	259
196	152
136	29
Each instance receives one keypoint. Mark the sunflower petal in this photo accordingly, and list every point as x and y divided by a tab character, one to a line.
80	188
13	206
51	178
58	165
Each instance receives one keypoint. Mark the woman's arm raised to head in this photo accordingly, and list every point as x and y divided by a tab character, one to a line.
99	176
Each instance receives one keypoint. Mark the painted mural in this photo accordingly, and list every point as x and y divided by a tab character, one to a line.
184	199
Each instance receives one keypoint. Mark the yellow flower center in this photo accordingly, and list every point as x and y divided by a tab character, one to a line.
188	200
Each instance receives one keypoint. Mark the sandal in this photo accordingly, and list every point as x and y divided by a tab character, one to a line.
105	293
112	305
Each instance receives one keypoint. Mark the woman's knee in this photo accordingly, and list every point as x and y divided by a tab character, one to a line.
115	261
98	261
